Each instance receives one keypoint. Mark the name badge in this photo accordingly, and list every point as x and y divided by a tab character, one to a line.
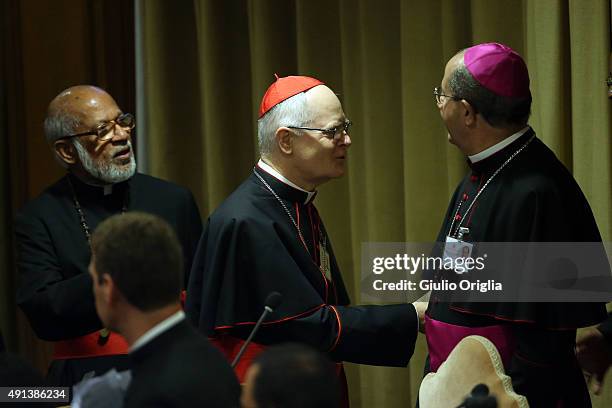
456	248
324	258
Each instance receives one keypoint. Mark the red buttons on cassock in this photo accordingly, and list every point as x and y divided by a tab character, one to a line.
465	197
474	177
458	217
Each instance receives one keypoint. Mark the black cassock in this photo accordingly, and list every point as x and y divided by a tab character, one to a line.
55	288
251	247
533	199
180	368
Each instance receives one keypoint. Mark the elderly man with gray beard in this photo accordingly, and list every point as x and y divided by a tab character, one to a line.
91	137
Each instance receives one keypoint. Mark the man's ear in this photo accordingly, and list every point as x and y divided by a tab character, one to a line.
65	151
108	288
284	140
469	114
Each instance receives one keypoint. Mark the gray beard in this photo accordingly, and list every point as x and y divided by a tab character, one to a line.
107	172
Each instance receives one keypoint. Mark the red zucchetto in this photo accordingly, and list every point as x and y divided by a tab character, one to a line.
285	88
498	68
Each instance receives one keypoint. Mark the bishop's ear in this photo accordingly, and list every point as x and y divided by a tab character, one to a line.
469	114
65	151
284	140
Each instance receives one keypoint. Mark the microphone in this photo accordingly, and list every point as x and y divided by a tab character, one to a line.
272	301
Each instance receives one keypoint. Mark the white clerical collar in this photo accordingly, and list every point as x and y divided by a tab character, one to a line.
497	147
270	170
107	188
158	329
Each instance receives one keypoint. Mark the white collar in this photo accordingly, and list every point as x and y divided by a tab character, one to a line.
497	147
270	170
107	188
158	329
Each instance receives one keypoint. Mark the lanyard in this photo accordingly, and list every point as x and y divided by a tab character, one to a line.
461	230
295	224
299	231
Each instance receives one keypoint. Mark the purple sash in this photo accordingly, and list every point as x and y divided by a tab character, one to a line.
443	337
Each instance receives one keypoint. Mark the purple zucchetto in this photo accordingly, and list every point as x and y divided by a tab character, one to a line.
498	68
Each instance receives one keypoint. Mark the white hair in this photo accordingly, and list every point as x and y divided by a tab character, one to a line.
290	112
57	126
60	125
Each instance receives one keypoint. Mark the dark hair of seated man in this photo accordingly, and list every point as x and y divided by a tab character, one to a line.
291	376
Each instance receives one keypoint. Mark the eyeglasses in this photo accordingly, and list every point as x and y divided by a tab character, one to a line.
439	96
334	134
105	132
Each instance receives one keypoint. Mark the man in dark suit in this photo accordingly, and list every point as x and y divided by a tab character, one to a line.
136	267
